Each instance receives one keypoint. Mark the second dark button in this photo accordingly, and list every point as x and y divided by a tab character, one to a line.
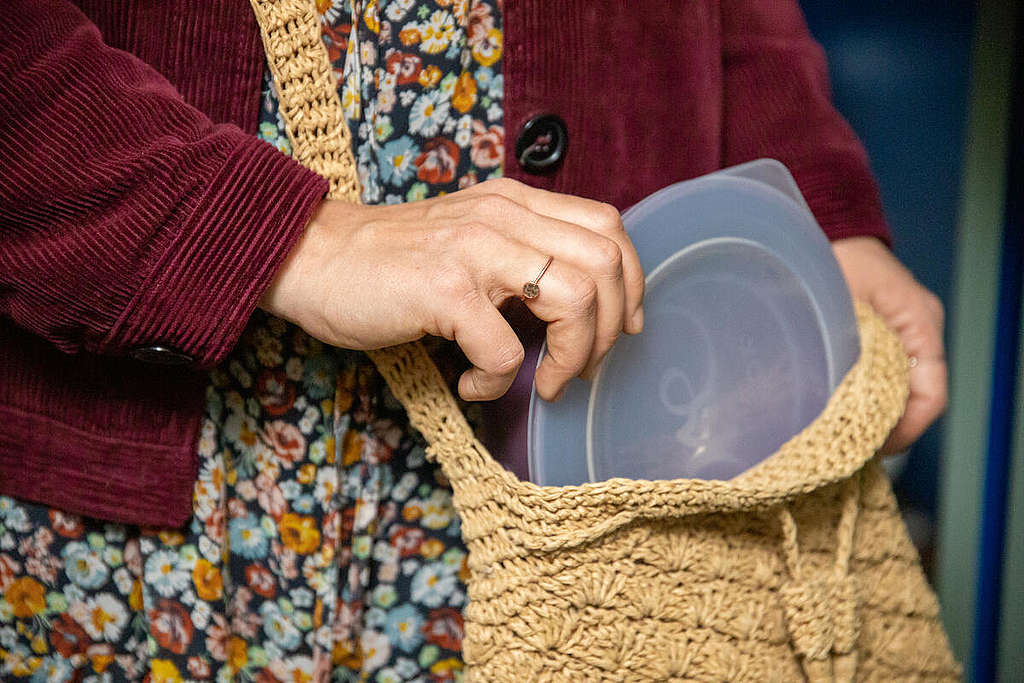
542	143
160	355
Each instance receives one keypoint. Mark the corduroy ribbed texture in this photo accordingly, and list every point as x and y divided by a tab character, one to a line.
750	82
129	219
777	103
797	569
220	70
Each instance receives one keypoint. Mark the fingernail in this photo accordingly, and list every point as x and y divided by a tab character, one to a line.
637	322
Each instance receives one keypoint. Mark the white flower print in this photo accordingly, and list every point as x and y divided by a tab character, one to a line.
437	32
438	511
432	584
164	573
407	96
376	650
464	131
428	113
397	10
102	616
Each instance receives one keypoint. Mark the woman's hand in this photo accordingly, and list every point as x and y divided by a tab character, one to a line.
877	277
366	277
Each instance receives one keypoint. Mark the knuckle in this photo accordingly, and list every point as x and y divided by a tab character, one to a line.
584	295
507	359
604	342
454	286
495	204
502	186
473	232
608	257
934	304
608	217
499	209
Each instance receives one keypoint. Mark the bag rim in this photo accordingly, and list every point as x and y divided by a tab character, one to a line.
852	427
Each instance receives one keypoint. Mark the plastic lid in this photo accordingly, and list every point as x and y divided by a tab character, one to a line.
749	327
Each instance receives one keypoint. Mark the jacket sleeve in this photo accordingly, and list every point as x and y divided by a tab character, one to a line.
127	218
777	103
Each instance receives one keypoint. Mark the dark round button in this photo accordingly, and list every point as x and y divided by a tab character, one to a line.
160	355
541	144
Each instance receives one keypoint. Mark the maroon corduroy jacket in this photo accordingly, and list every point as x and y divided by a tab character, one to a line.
138	210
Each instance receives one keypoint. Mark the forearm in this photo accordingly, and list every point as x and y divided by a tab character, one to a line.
127	216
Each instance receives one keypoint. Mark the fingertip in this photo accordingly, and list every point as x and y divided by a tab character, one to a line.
475	385
547	389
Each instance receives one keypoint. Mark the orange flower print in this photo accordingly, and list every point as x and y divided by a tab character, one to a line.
101	656
351	447
488	51
370	16
288	442
171	626
410	35
306	473
299	533
431	548
488	145
276	393
407	539
445	669
438	161
238	653
445	628
163	671
26	596
464	96
207	579
481	22
66	524
8	568
68	638
261	581
429	77
405	66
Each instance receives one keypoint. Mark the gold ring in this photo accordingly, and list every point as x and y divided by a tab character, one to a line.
531	290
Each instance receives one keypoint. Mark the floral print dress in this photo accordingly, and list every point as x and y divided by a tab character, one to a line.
323	546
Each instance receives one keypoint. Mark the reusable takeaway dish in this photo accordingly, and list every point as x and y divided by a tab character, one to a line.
750	328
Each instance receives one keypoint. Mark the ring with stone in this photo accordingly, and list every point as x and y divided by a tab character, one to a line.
531	290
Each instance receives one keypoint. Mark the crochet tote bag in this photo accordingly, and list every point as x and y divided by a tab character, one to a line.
799	569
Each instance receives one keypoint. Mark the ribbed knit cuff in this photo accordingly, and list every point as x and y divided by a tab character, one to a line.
201	290
843	198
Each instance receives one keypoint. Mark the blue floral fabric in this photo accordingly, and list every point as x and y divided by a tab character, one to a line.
324	545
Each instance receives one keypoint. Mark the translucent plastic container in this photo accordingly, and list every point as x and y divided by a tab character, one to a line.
749	327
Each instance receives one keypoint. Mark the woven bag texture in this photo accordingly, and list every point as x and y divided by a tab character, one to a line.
798	569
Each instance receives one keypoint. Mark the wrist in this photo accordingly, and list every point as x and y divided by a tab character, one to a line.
284	295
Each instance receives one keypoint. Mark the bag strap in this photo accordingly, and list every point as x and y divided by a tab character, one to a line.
307	92
315	123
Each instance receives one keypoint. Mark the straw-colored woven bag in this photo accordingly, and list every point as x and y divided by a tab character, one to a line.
797	569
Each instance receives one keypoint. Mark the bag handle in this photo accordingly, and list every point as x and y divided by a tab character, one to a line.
490	500
307	92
